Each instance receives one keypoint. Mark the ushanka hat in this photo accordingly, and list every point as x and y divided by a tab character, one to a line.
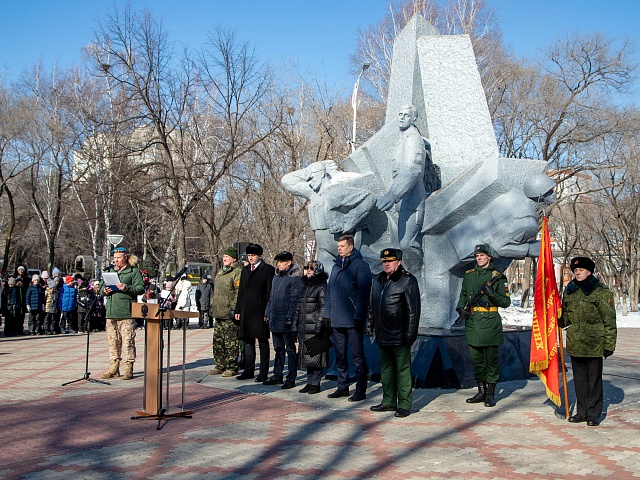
284	256
254	249
483	248
583	262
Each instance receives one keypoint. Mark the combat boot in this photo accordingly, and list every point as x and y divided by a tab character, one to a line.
128	371
114	370
490	399
481	395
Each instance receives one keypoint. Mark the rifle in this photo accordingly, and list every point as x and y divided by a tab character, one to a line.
476	299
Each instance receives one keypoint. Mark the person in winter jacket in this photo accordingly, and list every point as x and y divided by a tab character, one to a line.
10	305
203	302
35	305
253	295
347	307
285	290
68	304
183	291
225	329
589	316
483	327
309	317
51	323
394	315
121	328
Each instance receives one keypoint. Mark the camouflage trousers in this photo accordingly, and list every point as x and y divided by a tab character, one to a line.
225	344
121	332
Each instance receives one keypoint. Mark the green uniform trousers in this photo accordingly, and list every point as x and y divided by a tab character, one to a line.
395	373
485	363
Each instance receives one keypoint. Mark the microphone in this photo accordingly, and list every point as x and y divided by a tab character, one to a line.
179	274
109	267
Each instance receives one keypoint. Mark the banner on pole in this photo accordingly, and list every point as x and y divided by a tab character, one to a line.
547	307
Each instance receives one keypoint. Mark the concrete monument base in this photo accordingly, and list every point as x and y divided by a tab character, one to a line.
440	358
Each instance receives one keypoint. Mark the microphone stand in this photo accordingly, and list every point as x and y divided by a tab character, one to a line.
87	374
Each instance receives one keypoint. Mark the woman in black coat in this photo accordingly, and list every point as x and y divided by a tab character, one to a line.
309	313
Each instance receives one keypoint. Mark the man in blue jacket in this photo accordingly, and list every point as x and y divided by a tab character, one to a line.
347	307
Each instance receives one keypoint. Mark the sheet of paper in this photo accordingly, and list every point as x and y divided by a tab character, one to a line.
111	279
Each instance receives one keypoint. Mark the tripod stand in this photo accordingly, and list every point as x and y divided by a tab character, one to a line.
87	374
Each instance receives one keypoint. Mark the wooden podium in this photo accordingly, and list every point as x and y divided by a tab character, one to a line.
152	406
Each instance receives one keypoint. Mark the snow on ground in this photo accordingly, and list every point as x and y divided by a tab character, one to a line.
523	317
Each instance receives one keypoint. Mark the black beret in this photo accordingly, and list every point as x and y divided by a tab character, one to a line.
583	262
254	249
284	256
391	254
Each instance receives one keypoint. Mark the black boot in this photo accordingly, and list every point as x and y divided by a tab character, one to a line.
490	400
481	395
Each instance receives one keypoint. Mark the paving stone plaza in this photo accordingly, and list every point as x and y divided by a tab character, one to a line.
241	429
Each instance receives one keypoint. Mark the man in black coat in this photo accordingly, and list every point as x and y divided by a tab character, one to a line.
253	295
394	314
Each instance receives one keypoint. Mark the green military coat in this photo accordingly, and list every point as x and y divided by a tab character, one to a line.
589	312
484	329
225	292
118	303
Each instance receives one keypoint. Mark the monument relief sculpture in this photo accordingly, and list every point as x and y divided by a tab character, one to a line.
435	188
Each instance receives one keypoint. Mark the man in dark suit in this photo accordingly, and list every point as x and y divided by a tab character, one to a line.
253	295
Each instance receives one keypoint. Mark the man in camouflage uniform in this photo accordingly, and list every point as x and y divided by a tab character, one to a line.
589	315
121	328
483	326
225	329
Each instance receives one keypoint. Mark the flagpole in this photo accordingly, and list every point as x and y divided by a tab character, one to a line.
564	375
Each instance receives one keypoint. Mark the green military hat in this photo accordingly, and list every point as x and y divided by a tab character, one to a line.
483	248
391	254
232	252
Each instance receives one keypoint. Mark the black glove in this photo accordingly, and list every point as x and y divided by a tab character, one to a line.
358	325
464	314
561	322
607	353
368	331
488	290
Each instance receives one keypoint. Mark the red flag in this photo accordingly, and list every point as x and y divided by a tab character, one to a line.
547	307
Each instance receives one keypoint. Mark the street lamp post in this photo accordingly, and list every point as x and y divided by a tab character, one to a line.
354	103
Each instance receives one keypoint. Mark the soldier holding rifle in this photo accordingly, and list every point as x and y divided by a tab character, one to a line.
483	326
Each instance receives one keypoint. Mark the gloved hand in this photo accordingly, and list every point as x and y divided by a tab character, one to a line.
368	331
464	314
488	290
607	353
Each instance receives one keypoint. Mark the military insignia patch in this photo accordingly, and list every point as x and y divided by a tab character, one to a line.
237	283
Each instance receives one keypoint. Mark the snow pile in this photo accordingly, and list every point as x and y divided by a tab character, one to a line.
521	317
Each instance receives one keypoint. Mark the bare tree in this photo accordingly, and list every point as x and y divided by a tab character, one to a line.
194	118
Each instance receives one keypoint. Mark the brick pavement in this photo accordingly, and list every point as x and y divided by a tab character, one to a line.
246	430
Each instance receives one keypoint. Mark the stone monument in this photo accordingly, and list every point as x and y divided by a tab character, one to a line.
431	180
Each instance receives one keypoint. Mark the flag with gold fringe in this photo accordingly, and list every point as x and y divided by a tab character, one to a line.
547	308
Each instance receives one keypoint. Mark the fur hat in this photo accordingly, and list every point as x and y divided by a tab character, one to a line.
583	262
483	248
284	257
254	249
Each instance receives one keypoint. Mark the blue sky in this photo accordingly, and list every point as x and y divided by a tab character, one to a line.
317	36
